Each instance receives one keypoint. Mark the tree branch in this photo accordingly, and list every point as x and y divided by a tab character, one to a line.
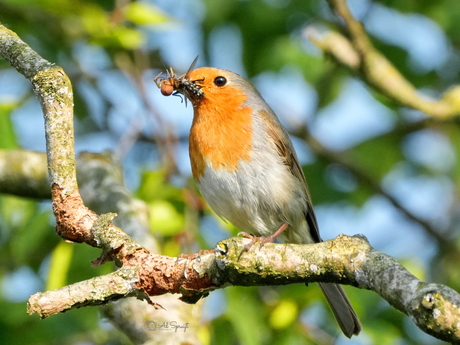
434	308
54	91
359	55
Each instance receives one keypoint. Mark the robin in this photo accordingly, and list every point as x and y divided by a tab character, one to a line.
245	166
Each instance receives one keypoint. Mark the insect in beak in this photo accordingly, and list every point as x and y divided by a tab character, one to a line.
177	86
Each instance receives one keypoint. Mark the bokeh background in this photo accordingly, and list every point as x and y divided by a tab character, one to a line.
376	168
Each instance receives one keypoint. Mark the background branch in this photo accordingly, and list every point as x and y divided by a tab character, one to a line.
359	55
344	160
27	176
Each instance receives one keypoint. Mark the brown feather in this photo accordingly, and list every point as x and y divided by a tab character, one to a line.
286	151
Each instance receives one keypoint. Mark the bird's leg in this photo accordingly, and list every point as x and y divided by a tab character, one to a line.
262	239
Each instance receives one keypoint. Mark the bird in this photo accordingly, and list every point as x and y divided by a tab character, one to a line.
245	166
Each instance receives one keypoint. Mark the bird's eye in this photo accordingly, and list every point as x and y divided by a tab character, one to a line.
220	81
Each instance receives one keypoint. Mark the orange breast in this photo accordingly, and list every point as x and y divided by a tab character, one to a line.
221	133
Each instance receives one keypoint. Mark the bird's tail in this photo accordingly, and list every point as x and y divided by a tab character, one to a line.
342	309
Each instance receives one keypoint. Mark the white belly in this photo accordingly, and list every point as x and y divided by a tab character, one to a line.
259	197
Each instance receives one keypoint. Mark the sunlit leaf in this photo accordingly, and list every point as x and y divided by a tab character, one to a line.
153	187
164	218
284	314
171	248
7	133
142	13
128	38
59	266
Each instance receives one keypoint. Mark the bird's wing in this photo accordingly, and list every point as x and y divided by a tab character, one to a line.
286	150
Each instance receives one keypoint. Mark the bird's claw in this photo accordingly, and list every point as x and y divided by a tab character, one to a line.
254	239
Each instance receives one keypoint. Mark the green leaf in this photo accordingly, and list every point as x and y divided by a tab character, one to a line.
284	314
33	237
128	38
164	218
153	186
320	189
59	267
453	133
245	316
143	13
7	133
105	32
377	156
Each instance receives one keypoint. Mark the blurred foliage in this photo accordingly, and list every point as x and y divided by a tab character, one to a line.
127	40
8	139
